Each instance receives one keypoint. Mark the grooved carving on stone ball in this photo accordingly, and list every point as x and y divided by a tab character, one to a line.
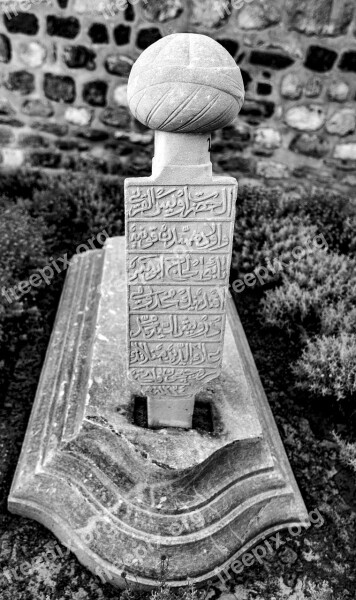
185	83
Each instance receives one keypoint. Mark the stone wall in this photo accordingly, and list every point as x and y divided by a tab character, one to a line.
64	66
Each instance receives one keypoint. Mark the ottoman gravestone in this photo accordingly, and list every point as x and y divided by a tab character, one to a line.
180	223
146	327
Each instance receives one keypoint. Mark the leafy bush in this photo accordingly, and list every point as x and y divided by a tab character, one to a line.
265	216
22	245
327	366
44	215
347	452
312	296
74	206
258	221
331	213
319	293
22	252
309	286
340	317
275	239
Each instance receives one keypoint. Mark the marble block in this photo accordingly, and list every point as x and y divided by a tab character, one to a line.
121	495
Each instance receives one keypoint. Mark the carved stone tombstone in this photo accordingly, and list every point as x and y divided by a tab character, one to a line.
180	224
121	493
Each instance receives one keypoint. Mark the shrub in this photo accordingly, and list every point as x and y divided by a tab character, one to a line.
305	589
258	221
308	287
315	294
340	317
275	239
320	591
22	252
332	214
347	451
265	216
22	244
327	366
44	215
74	206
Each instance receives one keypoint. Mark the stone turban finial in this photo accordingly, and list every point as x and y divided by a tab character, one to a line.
185	83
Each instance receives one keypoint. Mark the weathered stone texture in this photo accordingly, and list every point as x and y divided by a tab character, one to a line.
320	17
77	57
117	64
162	10
272	170
66	27
78	116
267	139
94	93
348	62
320	59
20	81
120	95
59	88
210	13
122	35
259	15
291	86
342	122
310	144
346	151
273	60
32	54
6	135
32	140
21	23
313	87
98	33
147	36
338	91
36	107
306	118
6	108
116	117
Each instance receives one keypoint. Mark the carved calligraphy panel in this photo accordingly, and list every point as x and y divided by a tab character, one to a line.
192	298
163	268
176	236
178	252
175	326
186	203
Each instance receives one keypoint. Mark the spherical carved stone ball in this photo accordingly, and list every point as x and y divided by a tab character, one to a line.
185	83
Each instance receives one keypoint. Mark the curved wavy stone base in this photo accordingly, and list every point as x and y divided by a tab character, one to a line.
120	495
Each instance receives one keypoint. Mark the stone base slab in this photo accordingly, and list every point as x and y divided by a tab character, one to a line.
120	495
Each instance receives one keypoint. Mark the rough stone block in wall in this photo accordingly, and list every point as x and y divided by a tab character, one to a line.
321	17
64	66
